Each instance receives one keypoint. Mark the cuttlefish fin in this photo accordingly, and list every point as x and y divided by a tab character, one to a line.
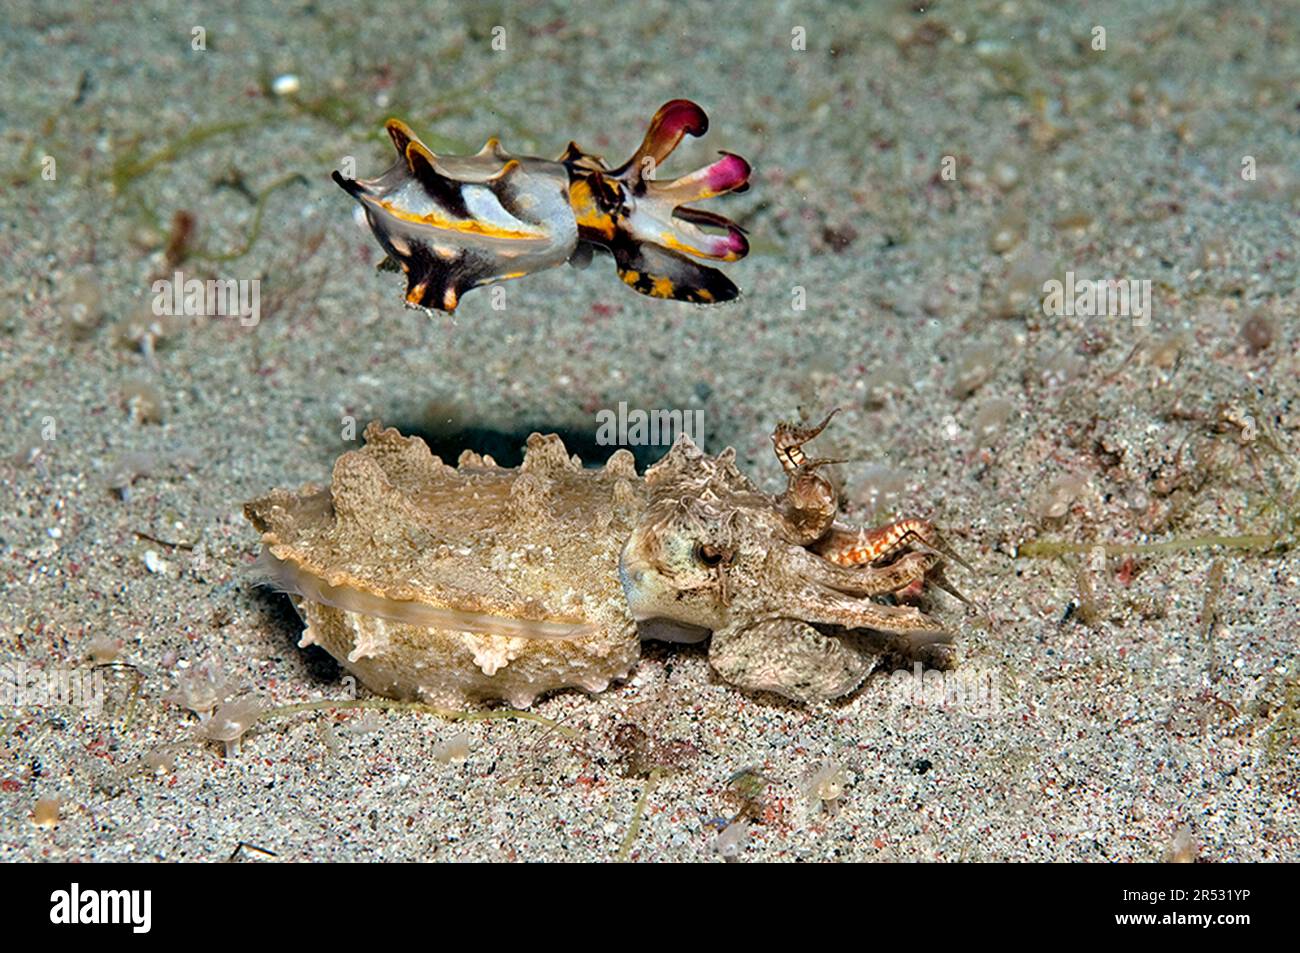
441	188
576	155
492	148
401	135
499	181
659	272
430	281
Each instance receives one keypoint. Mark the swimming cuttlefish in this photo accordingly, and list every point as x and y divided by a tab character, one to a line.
453	223
459	585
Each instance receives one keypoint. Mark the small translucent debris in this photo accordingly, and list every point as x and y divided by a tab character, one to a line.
46	813
155	563
1061	368
231	722
991	421
826	784
975	366
453	750
883	384
367	724
127	469
1166	351
1214	253
1257	332
1005	175
1073	220
731	839
200	690
1022	286
1054	499
80	306
143	401
104	649
1182	849
935	300
143	331
160	761
1008	231
147	238
839	238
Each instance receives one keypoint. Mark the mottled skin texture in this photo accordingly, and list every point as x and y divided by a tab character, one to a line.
712	550
534	544
547	576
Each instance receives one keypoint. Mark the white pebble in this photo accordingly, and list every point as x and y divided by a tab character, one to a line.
155	563
286	84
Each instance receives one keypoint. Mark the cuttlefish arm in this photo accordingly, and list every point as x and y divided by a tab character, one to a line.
648	225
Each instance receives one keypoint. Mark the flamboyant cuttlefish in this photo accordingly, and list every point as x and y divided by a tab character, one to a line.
453	223
470	583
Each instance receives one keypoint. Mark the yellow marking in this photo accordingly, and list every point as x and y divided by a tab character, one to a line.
400	132
667	239
417	148
661	288
631	277
586	211
449	298
704	294
501	175
472	226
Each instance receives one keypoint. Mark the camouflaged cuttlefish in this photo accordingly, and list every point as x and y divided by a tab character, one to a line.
453	223
467	584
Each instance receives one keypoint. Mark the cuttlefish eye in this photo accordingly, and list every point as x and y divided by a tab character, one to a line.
709	555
